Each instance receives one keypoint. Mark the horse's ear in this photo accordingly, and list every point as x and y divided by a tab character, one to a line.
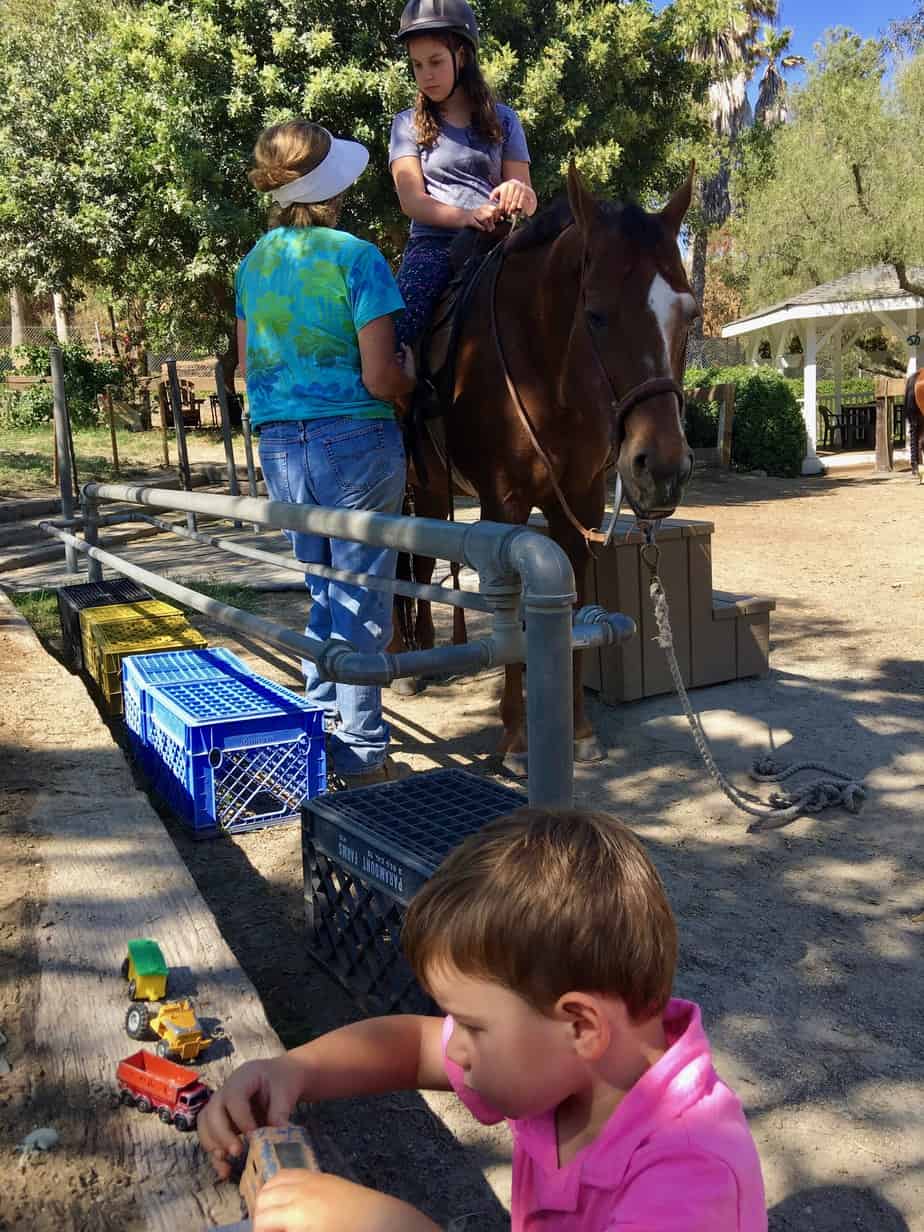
583	206
674	212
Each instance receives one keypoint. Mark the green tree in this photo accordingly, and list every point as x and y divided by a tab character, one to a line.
794	227
773	50
729	54
125	132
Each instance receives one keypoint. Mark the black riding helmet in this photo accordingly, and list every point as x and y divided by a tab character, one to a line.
431	16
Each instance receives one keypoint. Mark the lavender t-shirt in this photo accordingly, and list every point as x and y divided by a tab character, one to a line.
461	167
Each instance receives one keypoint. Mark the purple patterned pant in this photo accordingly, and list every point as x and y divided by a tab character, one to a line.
424	274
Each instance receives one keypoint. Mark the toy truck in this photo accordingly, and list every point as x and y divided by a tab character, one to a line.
269	1150
153	1083
175	1026
145	970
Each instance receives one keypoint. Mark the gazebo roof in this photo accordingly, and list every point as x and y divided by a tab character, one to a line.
864	291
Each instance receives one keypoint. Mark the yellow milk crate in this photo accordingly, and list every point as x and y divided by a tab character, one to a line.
112	641
118	613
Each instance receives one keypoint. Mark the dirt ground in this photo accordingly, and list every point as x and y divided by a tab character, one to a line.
803	945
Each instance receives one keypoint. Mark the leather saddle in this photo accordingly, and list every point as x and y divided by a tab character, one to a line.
475	256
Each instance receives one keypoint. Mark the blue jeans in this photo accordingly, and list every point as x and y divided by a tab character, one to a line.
346	463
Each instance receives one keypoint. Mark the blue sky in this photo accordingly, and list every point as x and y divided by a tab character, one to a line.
810	18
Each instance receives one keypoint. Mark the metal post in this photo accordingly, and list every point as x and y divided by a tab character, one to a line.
110	411
248	454
162	403
548	598
62	452
222	393
90	507
180	428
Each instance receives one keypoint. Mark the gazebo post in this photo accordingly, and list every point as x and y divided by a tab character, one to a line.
810	463
838	355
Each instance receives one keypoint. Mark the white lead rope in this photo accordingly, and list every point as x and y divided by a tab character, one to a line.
837	788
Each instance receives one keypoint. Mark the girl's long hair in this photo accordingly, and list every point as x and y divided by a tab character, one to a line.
484	110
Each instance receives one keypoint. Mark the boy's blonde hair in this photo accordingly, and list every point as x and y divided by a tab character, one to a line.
549	901
286	152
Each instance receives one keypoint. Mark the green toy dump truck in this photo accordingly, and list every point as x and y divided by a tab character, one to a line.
145	970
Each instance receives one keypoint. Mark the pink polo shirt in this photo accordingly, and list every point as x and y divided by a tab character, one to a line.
675	1156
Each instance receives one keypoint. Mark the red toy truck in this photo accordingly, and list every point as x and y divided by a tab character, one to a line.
150	1082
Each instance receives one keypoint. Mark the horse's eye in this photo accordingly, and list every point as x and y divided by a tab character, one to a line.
597	319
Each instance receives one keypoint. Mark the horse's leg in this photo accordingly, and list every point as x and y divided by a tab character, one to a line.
512	748
589	512
914	441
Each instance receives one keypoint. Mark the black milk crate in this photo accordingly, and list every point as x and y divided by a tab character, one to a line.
72	600
365	854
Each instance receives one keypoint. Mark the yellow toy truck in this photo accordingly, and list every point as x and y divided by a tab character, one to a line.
175	1026
145	970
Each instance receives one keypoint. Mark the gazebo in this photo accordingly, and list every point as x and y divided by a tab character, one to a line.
832	316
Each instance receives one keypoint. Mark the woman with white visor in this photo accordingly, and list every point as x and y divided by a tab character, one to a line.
317	345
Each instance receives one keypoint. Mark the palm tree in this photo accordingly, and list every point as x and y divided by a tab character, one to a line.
771	99
732	53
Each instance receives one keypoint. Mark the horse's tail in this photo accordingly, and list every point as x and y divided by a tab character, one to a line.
405	606
911	404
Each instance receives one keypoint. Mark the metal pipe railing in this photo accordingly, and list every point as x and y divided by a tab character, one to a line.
62	446
336	660
521	573
179	427
413	590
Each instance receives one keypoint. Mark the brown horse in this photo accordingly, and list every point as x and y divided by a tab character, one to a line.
591	311
914	413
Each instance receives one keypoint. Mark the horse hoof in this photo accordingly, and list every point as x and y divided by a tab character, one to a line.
406	686
517	765
588	748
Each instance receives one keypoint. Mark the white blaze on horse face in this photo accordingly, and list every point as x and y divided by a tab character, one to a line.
667	307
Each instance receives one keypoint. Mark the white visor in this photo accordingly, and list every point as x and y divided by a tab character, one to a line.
342	166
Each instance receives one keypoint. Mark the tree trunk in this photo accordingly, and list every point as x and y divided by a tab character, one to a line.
17	323
696	351
229	359
61	332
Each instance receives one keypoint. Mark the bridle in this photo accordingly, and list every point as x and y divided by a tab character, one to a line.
619	407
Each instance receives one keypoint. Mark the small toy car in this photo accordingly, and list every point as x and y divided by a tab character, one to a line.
145	970
268	1151
175	1026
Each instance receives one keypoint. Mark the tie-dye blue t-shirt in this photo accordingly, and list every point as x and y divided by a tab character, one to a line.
305	293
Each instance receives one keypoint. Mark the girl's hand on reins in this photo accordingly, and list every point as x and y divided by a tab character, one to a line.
514	197
482	217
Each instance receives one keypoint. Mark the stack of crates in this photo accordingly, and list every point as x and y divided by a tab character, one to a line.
110	633
365	854
72	600
225	749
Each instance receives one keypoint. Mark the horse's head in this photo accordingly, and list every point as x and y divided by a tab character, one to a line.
629	338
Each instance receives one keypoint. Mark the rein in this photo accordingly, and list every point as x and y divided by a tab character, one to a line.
619	408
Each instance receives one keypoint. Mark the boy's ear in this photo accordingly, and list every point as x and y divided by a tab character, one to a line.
587	1022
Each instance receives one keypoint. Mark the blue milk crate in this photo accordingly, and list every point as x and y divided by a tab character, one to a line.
142	672
365	854
233	754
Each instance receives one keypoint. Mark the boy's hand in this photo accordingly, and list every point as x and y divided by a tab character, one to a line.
258	1093
315	1202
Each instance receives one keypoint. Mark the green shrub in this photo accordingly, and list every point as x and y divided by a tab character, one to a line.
768	432
84	379
29	409
701	424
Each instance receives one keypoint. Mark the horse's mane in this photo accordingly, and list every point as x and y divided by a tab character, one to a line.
642	229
